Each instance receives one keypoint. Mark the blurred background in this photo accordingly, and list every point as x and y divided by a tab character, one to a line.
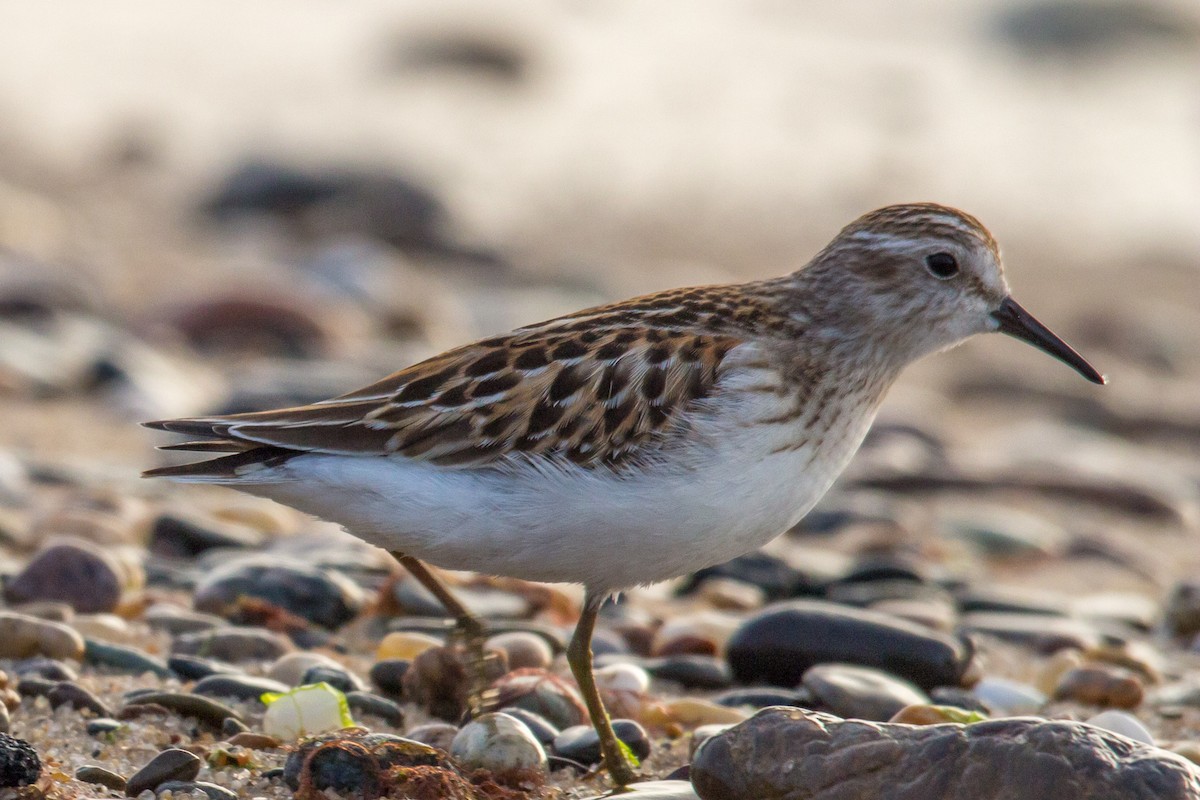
218	206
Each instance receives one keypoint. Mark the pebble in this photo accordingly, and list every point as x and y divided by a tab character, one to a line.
656	790
187	705
761	698
350	762
1123	723
321	596
101	777
692	712
66	693
484	601
233	644
538	725
782	642
102	726
367	703
581	742
404	645
176	620
522	649
74	572
194	668
543	693
306	711
860	692
239	687
172	764
1106	686
691	671
290	667
771	575
46	668
1008	697
497	742
1181	615
212	790
23	636
702	633
253	741
335	675
435	734
124	658
730	594
935	715
19	762
388	675
181	536
1009	534
1043	634
785	752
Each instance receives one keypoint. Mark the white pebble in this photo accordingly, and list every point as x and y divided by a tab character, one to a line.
1124	724
497	742
1003	696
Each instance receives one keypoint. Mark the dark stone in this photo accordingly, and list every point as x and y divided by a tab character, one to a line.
232	727
350	762
77	574
46	668
884	567
239	687
542	729
123	657
19	762
102	726
1182	613
777	579
782	642
860	692
213	791
186	537
233	644
341	679
484	602
101	777
791	753
194	668
388	675
761	698
35	687
957	697
66	693
1094	30
187	705
1012	600
367	703
581	742
169	765
175	620
866	593
321	596
691	671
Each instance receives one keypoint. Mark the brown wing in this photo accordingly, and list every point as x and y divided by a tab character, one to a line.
590	390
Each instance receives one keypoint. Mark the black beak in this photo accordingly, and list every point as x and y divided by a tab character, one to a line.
1018	323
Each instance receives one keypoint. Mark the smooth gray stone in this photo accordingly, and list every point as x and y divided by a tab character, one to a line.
169	765
240	687
792	753
861	692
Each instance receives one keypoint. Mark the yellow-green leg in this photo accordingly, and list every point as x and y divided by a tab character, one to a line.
579	656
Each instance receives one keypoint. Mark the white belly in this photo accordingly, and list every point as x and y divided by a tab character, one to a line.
606	530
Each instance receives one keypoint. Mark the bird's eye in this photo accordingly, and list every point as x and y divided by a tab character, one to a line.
942	265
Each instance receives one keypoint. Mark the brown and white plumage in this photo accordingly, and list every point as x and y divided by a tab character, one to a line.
686	426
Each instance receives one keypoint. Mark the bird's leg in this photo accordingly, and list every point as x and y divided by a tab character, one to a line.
579	656
467	626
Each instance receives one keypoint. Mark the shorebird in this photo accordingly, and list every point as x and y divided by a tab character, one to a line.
633	442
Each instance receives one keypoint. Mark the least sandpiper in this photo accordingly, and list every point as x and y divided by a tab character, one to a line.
633	442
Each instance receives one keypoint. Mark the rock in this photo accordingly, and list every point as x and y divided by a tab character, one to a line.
522	649
860	692
321	596
1088	32
45	668
1002	696
213	791
691	671
349	762
306	711
290	667
780	643
499	743
1044	634
538	725
794	753
240	687
727	594
581	742
335	675
203	709
691	712
1182	613
22	636
376	706
935	715
771	575
176	620
102	726
761	698
172	764
543	693
485	602
656	790
436	734
101	777
19	762
404	645
1012	600
388	675
623	687
1124	724
1008	533
74	572
233	644
1110	687
66	693
253	741
194	668
701	633
124	658
181	536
